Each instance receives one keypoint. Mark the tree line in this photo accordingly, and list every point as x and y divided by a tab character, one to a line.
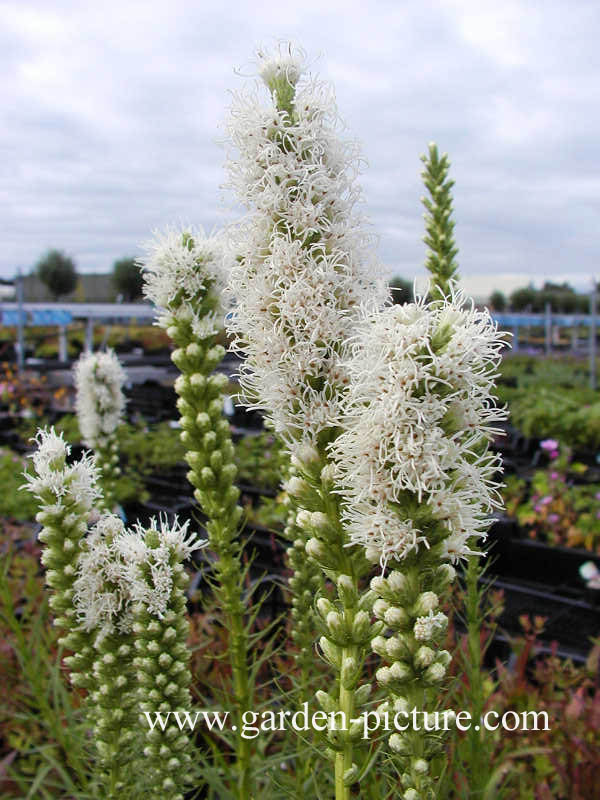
562	298
58	272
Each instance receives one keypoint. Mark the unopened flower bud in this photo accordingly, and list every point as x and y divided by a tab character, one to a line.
435	673
424	657
361	627
395	617
379	646
426	602
397	581
379	584
383	676
399	744
325	607
400	671
379	608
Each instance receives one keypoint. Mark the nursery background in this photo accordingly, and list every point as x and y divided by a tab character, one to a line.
344	448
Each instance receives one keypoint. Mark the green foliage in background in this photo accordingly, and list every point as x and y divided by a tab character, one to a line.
14	503
127	278
57	271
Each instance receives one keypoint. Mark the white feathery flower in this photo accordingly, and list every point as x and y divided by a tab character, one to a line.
118	568
52	452
180	268
428	627
101	593
68	484
151	566
99	380
302	262
284	67
417	419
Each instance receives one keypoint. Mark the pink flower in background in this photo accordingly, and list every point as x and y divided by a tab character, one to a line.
551	447
546	500
553	518
549	444
554	476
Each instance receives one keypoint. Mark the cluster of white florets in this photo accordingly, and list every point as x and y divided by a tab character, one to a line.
302	261
118	569
417	419
154	569
180	267
67	484
101	596
100	402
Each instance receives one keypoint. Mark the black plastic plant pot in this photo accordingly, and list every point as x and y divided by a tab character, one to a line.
264	547
253	494
162	507
571	622
172	481
512	555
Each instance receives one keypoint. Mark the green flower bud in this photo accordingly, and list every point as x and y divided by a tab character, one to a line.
395	617
380	607
435	673
400	671
351	775
325	607
379	646
426	602
216	460
208	477
203	421
383	676
424	657
327	703
347	591
337	628
379	584
350	672
420	766
198	381
362	694
331	652
397	581
399	744
361	627
398	647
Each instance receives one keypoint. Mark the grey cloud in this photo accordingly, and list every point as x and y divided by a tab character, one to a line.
115	116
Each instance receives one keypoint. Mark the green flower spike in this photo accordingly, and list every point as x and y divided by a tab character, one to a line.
183	276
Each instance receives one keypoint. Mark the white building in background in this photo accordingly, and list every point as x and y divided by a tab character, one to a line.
7	291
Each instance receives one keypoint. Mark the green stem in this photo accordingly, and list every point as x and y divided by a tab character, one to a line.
343	760
242	694
210	456
477	754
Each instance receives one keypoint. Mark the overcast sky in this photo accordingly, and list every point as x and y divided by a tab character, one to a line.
114	110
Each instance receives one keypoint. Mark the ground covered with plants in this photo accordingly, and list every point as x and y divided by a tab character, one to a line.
394	515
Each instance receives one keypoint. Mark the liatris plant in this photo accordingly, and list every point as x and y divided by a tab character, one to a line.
419	484
162	657
441	247
183	276
129	596
302	268
102	601
100	402
67	495
441	263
